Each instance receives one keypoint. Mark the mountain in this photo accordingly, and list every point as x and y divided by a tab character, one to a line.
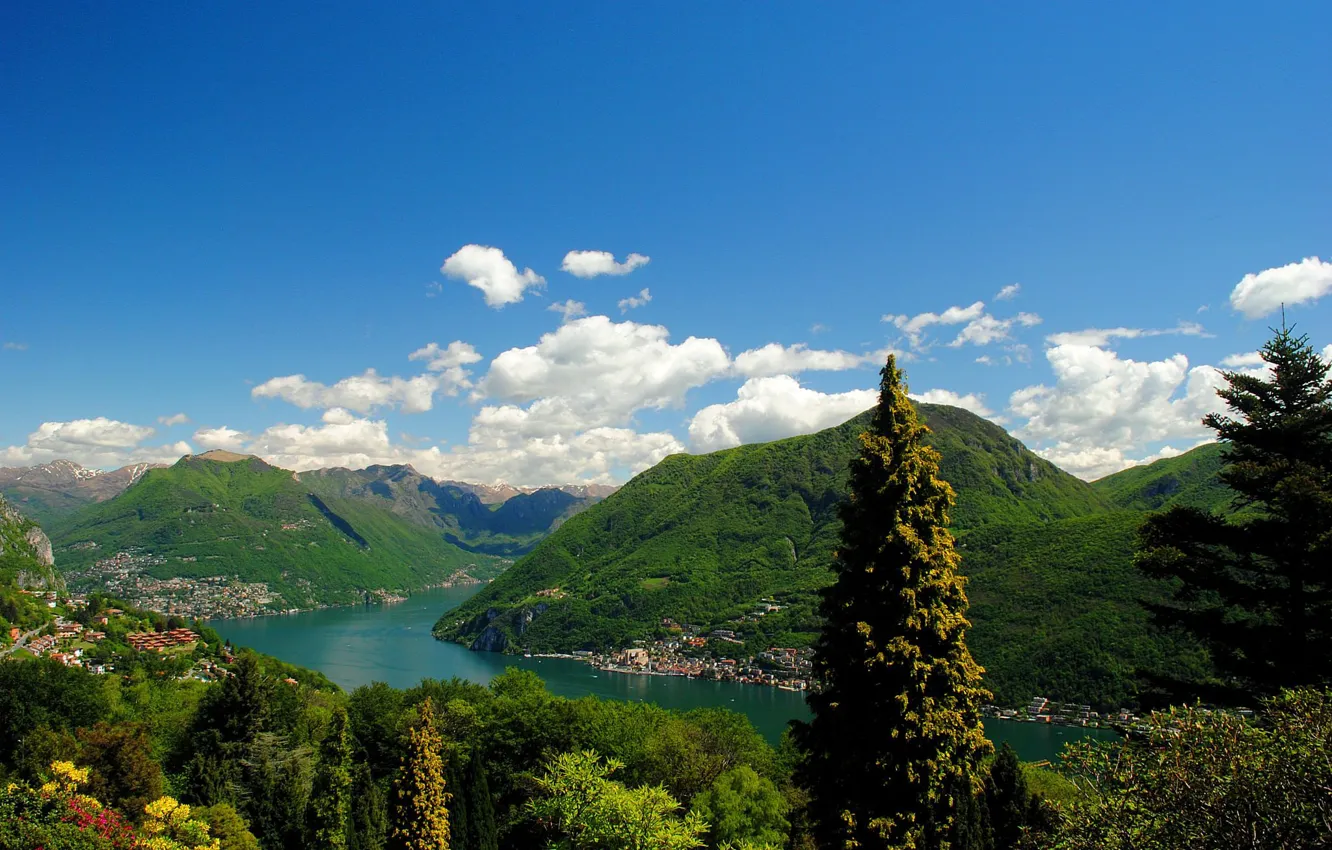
226	515
508	527
1189	479
495	494
26	557
51	490
704	539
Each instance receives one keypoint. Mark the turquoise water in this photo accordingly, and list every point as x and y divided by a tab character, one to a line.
391	643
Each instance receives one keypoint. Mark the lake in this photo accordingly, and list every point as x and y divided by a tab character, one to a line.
391	643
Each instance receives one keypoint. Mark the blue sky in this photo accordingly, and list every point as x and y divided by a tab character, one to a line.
202	200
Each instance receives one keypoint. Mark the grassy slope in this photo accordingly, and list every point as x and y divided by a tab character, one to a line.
702	538
1189	479
229	516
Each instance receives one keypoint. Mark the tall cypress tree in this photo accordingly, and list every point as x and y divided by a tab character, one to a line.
896	733
460	836
482	832
421	821
1253	585
330	799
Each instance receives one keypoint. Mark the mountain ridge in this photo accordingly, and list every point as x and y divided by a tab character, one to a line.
702	539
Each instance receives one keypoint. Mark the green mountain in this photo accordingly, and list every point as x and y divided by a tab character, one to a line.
26	562
1189	479
508	528
222	514
702	539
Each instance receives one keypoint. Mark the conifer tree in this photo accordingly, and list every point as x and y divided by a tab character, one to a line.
330	800
482	832
460	836
896	733
1254	585
422	817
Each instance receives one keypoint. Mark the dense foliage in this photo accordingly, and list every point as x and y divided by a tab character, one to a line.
895	738
1255	585
245	518
1204	779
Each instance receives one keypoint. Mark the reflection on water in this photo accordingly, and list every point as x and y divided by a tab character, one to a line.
354	646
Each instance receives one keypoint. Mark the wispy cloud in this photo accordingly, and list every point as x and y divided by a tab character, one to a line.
634	301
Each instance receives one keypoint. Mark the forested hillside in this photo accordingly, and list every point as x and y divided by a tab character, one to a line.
702	539
229	515
1189	479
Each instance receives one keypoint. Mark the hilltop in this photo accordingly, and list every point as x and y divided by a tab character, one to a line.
1189	479
222	515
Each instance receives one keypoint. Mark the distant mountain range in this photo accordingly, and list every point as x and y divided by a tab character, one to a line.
703	540
57	488
53	490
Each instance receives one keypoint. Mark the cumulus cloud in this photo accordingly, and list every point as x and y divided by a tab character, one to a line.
1327	353
771	408
776	359
570	309
98	443
1100	337
362	393
986	329
488	270
593	263
605	370
448	364
1248	360
1259	294
971	401
174	419
1103	409
914	326
225	438
633	301
1008	292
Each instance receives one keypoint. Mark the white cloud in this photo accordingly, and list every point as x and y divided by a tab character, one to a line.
16	346
225	438
1259	294
1102	408
971	401
1327	353
488	270
630	303
1248	360
447	363
433	288
776	359
362	393
604	370
818	328
569	310
593	263
986	329
174	419
985	359
1100	337
96	443
914	326
771	408
1008	292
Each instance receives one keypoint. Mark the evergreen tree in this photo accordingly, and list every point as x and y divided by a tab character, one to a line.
459	831
369	818
422	817
1253	585
482	832
330	800
1007	800
896	731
